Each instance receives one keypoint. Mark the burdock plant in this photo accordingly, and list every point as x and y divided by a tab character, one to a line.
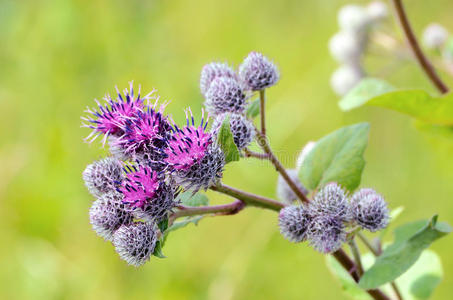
153	182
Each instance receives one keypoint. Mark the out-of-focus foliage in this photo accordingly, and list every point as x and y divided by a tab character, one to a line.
56	56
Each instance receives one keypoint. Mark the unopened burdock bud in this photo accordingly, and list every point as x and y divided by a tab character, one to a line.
257	72
108	213
345	46
294	222
213	70
326	233
102	176
242	129
225	95
303	154
284	191
435	36
135	242
369	210
345	78
377	11
332	201
352	18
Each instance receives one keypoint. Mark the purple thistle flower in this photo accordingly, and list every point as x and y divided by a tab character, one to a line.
102	176
196	162
110	117
326	233
135	242
139	186
107	214
213	70
294	222
225	95
257	72
242	129
369	210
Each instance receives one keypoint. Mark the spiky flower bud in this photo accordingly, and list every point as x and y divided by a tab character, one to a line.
196	162
225	95
331	201
303	154
107	214
352	17
435	36
345	78
213	70
147	193
135	242
102	176
326	233
294	222
257	72
345	47
284	192
242	129
369	210
377	11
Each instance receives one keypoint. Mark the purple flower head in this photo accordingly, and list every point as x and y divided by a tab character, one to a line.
225	95
189	144
369	210
212	71
139	186
257	72
326	233
242	129
135	242
108	213
145	137
294	222
110	117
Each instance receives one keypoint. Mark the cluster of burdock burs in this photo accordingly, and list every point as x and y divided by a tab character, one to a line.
152	159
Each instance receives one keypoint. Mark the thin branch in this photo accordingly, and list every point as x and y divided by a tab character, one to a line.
262	141
249	153
224	209
356	255
419	55
248	198
262	111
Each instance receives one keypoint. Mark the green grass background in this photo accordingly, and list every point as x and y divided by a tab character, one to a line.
57	56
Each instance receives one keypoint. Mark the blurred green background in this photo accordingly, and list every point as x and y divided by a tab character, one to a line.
57	56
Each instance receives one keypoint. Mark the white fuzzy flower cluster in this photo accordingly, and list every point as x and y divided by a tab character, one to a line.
348	45
436	37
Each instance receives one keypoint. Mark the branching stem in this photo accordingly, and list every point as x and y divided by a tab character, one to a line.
263	111
413	43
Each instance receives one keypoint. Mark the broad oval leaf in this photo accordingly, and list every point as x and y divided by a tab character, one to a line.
410	241
416	103
337	157
226	141
364	91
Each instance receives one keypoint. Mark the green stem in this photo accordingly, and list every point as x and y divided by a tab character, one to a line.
262	111
356	254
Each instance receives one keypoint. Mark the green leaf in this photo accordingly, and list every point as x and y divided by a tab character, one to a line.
226	141
158	249
394	213
410	240
189	199
348	285
184	223
253	109
337	157
163	225
365	90
416	103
